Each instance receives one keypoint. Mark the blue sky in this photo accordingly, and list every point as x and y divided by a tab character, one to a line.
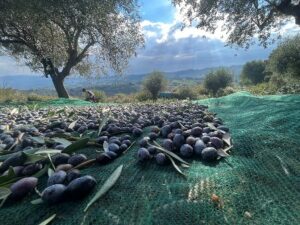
168	48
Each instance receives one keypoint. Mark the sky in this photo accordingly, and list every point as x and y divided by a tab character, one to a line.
168	48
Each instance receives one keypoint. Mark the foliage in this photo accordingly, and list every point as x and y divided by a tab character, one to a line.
143	96
253	72
216	80
265	88
154	83
8	95
33	97
56	37
241	19
285	59
100	95
121	98
186	92
226	91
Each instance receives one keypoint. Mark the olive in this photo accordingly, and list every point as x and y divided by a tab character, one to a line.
143	154
113	147
137	132
54	193
191	140
186	150
196	131
22	187
168	144
199	146
216	142
31	169
103	159
77	159
161	159
80	187
61	158
205	139
165	131
63	167
57	178
15	160
143	142
72	174
152	150
178	140
209	154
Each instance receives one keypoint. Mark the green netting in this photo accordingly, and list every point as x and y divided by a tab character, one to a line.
261	177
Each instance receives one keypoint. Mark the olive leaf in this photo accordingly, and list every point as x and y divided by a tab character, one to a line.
81	143
71	114
157	146
14	111
42	171
62	141
222	153
48	151
37	201
129	147
109	183
184	165
50	160
228	148
18	139
29	151
105	146
211	126
102	124
50	172
47	221
4	193
32	158
175	165
90	134
10	175
72	125
227	139
39	140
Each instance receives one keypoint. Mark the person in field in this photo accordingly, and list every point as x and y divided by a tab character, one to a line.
89	95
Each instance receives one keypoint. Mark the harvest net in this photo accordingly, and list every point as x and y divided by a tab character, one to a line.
258	184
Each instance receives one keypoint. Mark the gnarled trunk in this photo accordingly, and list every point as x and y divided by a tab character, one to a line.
58	82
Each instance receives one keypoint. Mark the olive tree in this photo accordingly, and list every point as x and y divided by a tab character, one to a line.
60	38
154	84
241	19
253	72
285	59
217	80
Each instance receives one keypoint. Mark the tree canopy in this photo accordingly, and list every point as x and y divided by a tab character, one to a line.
154	84
241	19
285	59
218	79
253	72
60	38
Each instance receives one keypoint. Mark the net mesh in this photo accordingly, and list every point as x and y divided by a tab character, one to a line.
258	184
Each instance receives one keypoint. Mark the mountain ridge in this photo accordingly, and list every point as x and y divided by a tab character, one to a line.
32	82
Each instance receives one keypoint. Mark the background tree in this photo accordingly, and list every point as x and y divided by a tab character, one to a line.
285	59
186	92
154	84
61	38
253	72
218	79
242	18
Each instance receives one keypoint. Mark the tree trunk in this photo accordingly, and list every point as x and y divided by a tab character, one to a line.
59	86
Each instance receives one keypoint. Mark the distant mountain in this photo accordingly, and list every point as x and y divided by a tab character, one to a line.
40	82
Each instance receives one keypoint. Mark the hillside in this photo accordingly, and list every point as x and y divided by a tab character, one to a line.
109	84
